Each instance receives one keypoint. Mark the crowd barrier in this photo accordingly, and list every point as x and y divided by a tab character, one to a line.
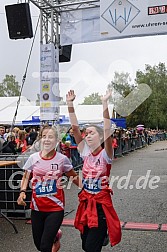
10	179
128	144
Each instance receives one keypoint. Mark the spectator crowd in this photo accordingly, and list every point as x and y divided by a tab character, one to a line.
17	141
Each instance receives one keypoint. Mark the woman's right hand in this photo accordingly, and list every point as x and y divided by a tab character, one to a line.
21	198
70	96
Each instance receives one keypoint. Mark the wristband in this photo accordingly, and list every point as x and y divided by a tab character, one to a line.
23	191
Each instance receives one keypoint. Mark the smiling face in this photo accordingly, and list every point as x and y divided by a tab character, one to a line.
48	140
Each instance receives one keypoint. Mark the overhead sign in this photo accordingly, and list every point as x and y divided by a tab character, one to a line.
128	18
114	19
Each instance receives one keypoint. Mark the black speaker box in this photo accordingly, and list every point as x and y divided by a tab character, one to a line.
19	21
65	53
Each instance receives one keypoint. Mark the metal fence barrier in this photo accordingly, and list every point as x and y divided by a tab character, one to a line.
10	178
128	144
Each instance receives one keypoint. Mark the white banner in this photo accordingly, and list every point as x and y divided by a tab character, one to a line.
113	20
80	26
49	83
128	18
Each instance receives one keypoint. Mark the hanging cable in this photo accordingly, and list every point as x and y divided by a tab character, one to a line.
24	76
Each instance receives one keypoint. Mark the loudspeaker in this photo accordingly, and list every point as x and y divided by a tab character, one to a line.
65	53
19	21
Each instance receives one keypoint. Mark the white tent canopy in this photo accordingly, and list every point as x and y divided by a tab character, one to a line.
24	113
12	102
85	113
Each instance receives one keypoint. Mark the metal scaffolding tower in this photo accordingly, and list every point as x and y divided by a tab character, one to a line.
51	10
50	20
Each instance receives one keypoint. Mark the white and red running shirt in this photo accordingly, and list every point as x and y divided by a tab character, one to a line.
47	181
96	167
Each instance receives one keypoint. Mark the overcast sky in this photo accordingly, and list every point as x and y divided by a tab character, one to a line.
92	65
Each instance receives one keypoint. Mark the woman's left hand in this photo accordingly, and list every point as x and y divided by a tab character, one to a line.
105	97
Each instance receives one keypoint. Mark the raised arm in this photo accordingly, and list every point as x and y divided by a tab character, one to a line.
70	97
107	125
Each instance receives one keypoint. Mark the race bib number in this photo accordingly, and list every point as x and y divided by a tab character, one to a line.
45	188
92	185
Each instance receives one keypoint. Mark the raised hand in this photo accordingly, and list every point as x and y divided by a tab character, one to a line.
70	96
105	97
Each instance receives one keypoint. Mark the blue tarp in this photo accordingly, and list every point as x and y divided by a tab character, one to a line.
36	121
120	122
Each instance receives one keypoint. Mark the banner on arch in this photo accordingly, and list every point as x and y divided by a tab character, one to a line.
114	19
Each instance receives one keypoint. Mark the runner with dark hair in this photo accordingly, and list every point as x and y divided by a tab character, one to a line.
96	215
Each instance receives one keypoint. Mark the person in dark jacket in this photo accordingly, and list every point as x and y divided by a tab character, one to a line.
9	146
30	136
75	156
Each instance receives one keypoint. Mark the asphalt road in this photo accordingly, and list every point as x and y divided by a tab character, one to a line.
139	182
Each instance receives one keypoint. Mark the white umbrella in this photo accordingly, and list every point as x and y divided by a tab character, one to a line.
139	125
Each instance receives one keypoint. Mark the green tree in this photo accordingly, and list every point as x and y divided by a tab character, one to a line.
121	83
93	99
153	112
121	86
9	86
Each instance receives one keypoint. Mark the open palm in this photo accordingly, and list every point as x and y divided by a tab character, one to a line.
70	96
